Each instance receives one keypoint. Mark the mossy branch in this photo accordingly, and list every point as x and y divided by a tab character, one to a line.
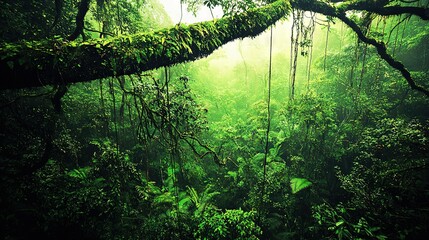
33	64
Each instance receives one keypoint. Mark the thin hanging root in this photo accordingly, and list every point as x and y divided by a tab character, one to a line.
173	140
291	53
352	69
365	50
308	38
362	73
244	62
115	123
294	50
403	32
268	120
326	45
400	21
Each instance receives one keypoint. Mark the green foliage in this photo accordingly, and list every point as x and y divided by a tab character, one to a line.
104	200
338	220
161	227
32	20
178	153
387	172
298	184
232	7
203	200
231	224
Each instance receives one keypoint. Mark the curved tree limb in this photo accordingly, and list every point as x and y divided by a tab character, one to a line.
382	51
32	64
379	7
423	13
340	13
80	19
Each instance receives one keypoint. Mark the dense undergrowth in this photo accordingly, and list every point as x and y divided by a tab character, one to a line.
179	153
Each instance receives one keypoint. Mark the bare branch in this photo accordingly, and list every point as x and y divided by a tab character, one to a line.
382	51
340	13
379	8
80	17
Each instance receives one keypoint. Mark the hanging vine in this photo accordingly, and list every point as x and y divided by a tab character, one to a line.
171	139
367	24
297	18
301	42
264	180
328	28
309	46
115	122
244	62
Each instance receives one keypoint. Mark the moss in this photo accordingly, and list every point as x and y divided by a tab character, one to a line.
68	62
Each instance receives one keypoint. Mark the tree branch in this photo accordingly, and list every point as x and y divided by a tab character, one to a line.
382	51
101	32
423	13
340	13
379	7
32	64
80	17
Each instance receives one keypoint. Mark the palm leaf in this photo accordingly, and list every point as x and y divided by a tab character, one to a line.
298	184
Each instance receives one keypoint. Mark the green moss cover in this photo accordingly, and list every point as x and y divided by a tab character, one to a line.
41	63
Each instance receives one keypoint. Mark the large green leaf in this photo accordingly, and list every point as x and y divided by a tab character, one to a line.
297	184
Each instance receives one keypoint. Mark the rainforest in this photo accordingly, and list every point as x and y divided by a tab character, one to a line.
214	119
